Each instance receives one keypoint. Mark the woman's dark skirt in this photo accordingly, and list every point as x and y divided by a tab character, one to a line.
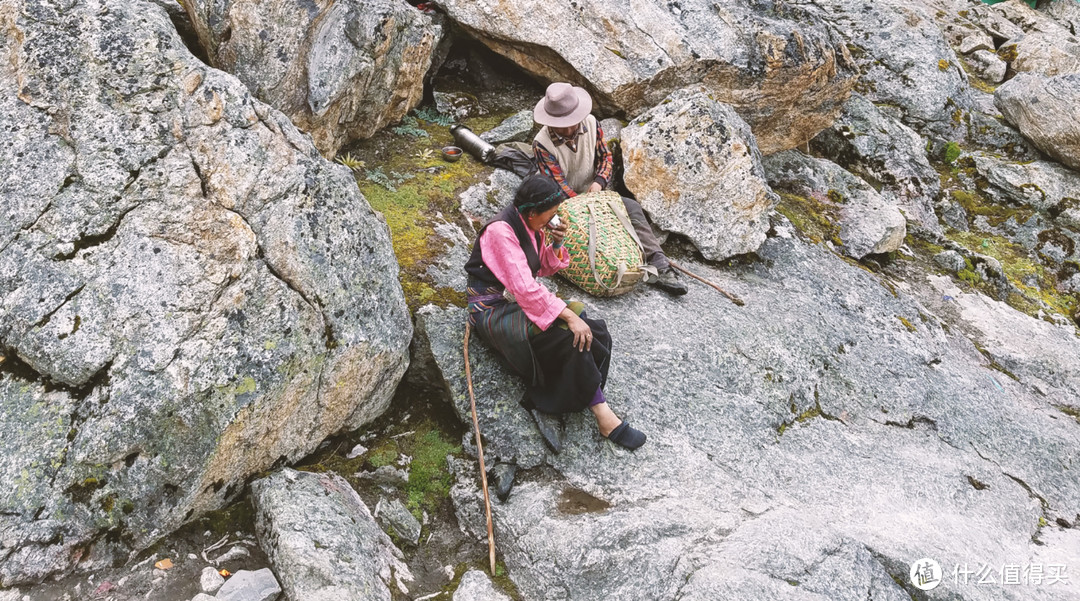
558	377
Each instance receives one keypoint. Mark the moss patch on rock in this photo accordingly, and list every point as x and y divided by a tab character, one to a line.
404	177
814	219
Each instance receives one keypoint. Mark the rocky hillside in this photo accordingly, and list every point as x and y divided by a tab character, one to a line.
231	238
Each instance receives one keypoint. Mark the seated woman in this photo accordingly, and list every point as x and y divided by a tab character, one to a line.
562	354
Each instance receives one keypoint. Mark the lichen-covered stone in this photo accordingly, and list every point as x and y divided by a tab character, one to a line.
882	150
868	224
1044	110
784	75
694	166
322	540
340	70
181	274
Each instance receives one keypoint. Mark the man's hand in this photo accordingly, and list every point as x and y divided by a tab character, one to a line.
595	187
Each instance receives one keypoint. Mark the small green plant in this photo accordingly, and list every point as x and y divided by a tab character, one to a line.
432	115
389	181
952	152
410	127
425	154
351	162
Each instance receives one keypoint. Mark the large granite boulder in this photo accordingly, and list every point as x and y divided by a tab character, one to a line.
785	75
340	70
190	292
694	166
867	223
904	60
887	153
1044	110
810	445
322	540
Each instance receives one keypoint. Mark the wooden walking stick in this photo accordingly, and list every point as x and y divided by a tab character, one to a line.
734	299
480	452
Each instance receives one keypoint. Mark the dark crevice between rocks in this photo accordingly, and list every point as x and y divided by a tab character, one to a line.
48	316
202	179
913	422
1043	504
93	240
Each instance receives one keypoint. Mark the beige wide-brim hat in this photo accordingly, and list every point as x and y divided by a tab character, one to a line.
563	105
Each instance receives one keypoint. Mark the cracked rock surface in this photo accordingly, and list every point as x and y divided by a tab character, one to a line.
181	274
340	70
809	445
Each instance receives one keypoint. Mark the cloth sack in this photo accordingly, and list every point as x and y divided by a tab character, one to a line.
606	257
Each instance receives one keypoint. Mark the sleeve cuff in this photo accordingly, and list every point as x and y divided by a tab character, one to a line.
603	182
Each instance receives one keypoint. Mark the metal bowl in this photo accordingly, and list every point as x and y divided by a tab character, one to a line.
451	153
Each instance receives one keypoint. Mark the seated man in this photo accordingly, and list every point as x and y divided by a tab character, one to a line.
570	149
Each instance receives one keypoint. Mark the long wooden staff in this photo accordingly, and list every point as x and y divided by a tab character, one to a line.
734	299
480	452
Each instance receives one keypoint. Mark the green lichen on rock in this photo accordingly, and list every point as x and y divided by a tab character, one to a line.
907	323
952	152
815	220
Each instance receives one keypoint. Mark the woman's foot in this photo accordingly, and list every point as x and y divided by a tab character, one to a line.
615	429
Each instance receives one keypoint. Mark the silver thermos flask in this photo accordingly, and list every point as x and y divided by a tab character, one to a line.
472	143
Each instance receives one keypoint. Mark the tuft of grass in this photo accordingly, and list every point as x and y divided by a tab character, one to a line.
351	162
952	152
429	477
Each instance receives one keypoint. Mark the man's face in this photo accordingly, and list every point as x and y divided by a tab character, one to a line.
566	132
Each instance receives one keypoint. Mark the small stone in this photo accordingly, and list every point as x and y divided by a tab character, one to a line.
210	580
950	260
476	586
516	128
203	597
246	585
356	451
450	572
987	66
164	564
394	514
976	41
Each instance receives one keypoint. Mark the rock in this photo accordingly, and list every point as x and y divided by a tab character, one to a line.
395	515
1042	53
322	540
828	442
886	153
785	75
987	66
476	586
181	273
446	271
340	70
1044	110
904	61
950	260
1042	185
203	597
356	451
246	585
868	225
975	41
210	580
481	202
460	106
516	128
1032	41
694	166
612	131
1067	14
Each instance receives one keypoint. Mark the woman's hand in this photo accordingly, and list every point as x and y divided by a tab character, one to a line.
595	187
582	331
558	233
